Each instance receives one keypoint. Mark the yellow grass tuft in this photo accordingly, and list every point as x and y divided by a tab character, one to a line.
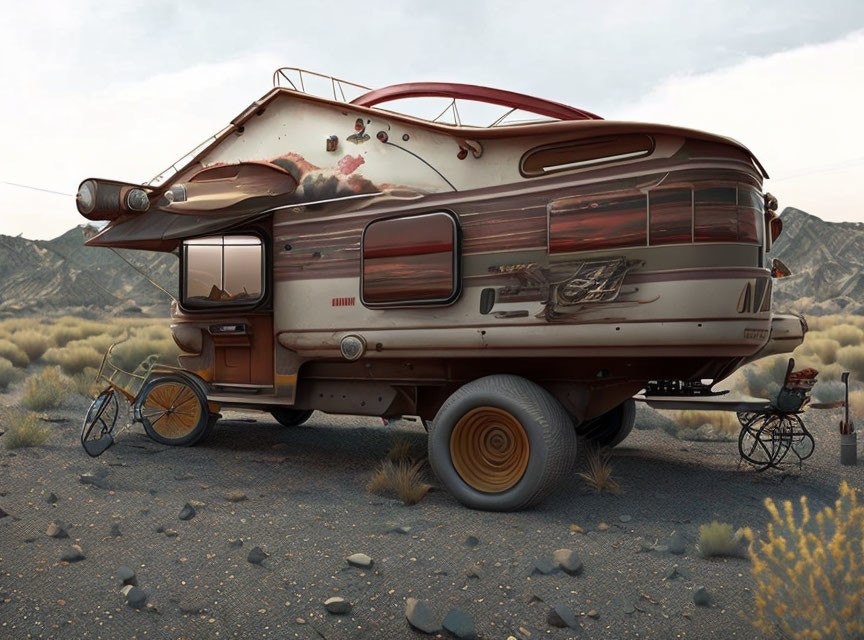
46	390
85	383
13	353
74	359
25	430
8	373
403	478
32	342
402	449
719	540
599	473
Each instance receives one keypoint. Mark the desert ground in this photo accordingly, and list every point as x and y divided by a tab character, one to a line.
276	512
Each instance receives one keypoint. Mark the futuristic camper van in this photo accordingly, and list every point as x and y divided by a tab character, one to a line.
514	284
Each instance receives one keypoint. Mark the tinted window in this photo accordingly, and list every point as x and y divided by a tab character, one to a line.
223	270
591	223
671	215
410	260
715	215
751	206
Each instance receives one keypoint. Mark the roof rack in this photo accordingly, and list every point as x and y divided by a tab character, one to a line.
293	78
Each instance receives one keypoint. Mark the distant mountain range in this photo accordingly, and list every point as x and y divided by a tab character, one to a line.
827	264
64	276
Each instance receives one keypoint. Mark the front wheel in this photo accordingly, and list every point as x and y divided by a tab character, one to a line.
173	410
501	443
290	417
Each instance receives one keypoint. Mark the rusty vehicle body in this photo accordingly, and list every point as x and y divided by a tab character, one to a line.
342	257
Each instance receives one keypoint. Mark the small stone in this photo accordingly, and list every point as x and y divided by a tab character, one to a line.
625	518
94	479
602	526
3	514
576	528
234	543
629	608
171	533
187	512
299	620
56	530
75	554
115	531
460	624
569	561
545	567
672	573
472	541
592	613
647	546
257	555
474	572
524	632
337	606
420	616
360	560
198	504
135	597
676	544
400	529
560	616
235	496
125	575
701	597
51	498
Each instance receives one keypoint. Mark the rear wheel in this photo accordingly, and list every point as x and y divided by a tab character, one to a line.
501	443
612	427
174	410
290	417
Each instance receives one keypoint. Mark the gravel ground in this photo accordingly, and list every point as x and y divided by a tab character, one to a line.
307	508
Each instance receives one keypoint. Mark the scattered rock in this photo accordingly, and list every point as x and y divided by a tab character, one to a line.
524	632
183	476
257	555
75	554
94	479
420	616
531	597
3	514
629	608
560	616
235	543
672	573
115	531
198	504
187	512
625	518
647	546
360	560
676	544
545	567
472	541
460	624
576	528
125	575
602	526
171	533
569	561
592	613
135	597
51	498
401	529
474	572
337	606
701	597
235	496
56	530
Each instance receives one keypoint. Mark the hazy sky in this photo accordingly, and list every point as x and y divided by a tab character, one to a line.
122	89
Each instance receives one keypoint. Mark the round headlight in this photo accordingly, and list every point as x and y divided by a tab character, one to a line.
86	198
137	200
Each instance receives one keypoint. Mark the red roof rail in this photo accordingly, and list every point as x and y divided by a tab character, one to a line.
476	93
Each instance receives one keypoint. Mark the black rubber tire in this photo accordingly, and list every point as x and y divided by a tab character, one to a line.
202	427
610	429
551	439
290	417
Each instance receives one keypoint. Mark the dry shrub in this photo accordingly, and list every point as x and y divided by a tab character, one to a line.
404	478
828	391
852	359
85	383
13	353
8	373
11	325
719	540
856	407
720	422
825	349
846	334
402	449
599	473
823	323
32	342
63	334
130	353
25	430
46	390
74	359
809	573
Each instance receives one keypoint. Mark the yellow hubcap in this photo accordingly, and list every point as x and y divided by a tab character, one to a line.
489	449
172	409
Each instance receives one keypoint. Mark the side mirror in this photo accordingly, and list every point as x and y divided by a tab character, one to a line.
779	269
775	225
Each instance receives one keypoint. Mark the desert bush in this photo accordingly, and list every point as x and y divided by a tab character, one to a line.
847	335
710	423
32	342
8	373
74	359
828	391
11	325
599	473
825	349
130	353
719	540
25	430
65	333
13	353
404	478
809	574
824	323
85	383
45	390
856	407
852	359
402	448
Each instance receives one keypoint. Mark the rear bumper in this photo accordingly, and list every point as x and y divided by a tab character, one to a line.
787	332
